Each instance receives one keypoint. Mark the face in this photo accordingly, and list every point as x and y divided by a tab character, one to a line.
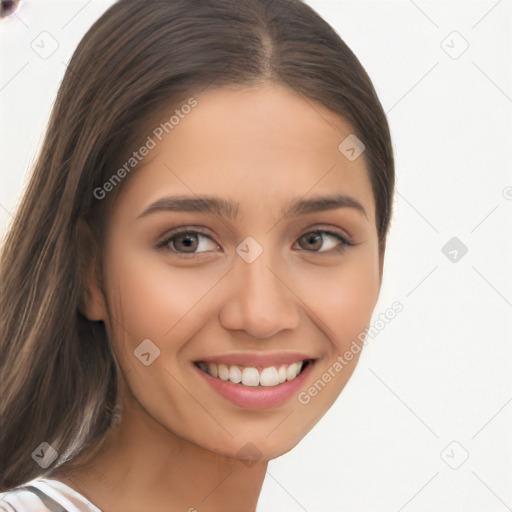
272	277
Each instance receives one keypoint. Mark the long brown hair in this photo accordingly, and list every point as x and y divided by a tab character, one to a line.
138	60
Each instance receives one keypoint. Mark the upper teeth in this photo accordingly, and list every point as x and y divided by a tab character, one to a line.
250	376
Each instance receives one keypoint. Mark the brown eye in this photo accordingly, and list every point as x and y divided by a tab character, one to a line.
314	241
186	242
8	7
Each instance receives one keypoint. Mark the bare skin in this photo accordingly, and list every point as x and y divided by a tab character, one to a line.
178	445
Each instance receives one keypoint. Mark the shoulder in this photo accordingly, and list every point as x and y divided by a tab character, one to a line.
45	495
21	500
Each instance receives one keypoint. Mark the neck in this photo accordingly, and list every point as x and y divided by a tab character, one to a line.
144	466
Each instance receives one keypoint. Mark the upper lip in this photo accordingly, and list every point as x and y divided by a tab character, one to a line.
254	359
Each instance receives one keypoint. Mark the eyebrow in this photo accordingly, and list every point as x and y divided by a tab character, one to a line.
228	209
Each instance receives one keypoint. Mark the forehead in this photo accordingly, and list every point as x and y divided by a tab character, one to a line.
257	146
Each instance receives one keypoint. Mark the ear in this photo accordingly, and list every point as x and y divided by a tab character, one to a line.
92	301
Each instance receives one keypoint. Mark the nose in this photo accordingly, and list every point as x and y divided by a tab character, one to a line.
261	301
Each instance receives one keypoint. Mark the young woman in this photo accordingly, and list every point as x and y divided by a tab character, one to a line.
194	260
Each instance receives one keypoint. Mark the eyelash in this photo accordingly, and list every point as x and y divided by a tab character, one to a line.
164	243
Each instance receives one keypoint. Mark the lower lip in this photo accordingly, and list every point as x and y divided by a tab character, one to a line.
257	397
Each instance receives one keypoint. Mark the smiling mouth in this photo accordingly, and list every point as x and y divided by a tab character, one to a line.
253	377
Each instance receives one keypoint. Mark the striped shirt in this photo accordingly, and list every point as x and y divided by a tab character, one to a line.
44	495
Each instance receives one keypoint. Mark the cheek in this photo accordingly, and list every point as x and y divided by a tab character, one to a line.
344	298
156	298
343	301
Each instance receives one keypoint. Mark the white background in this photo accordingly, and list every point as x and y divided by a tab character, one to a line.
441	370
